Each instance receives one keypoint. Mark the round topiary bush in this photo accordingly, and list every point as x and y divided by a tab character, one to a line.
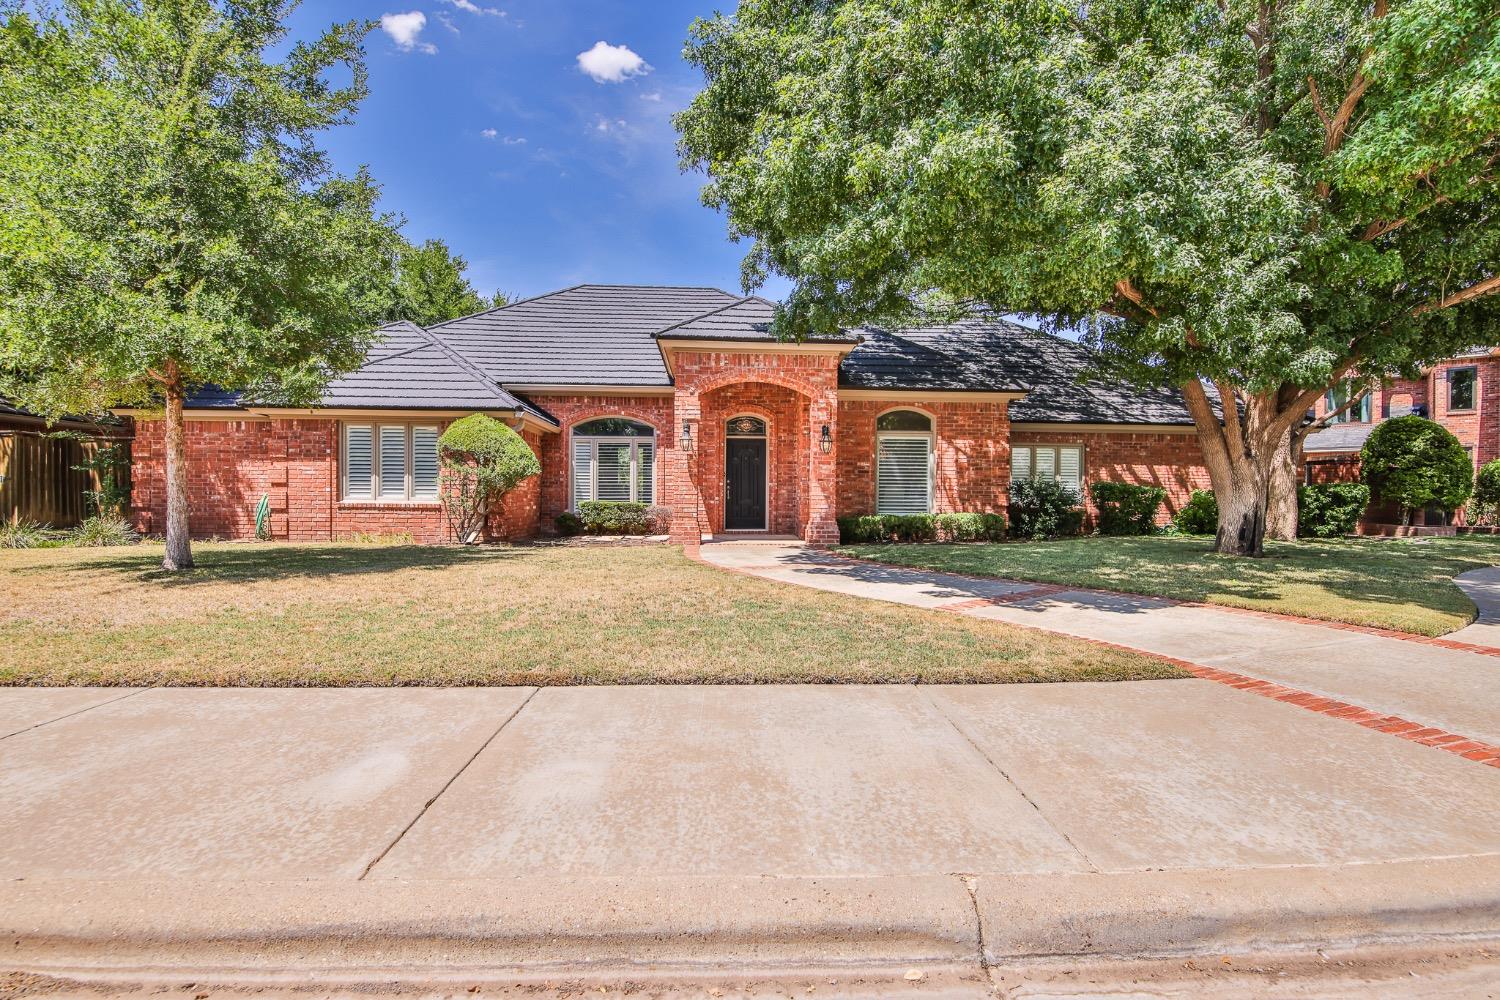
1415	462
1484	506
482	460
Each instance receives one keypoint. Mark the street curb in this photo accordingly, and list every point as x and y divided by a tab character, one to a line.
664	924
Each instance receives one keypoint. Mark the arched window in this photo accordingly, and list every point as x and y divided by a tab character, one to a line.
745	427
903	463
614	459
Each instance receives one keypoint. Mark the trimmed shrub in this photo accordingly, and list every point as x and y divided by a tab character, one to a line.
910	527
1200	516
1127	509
568	524
1484	506
970	527
861	528
482	460
658	519
613	517
104	531
1044	508
1330	510
1415	462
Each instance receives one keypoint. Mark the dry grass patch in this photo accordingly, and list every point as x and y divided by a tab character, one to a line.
273	614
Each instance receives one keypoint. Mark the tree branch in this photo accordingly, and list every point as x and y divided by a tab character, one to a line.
1488	286
1130	292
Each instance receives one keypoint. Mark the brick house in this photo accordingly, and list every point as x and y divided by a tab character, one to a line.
1461	393
677	397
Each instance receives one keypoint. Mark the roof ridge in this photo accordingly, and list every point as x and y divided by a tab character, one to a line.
474	371
693	319
687	288
508	305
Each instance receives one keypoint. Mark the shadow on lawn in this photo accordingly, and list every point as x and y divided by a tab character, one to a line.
256	563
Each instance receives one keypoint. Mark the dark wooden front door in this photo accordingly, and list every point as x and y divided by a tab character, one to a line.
744	484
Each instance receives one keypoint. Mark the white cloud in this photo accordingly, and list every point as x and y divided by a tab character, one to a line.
655	95
406	31
446	22
608	63
504	140
469	7
513	140
489	133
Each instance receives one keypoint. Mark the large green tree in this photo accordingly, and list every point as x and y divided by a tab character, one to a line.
1254	199
430	286
166	217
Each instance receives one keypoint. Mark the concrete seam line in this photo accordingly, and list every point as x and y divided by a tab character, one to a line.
69	715
447	784
971	886
931	700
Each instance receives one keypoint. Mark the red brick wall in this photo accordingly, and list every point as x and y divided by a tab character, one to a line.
1171	461
570	410
232	463
971	454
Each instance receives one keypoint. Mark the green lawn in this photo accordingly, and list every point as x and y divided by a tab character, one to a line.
274	614
1404	584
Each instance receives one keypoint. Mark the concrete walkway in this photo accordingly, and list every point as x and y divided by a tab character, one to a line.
1449	689
1483	588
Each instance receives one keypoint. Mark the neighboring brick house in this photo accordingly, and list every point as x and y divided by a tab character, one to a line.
678	397
1462	394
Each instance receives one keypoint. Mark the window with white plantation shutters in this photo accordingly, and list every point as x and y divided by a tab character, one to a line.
424	463
391	473
359	461
391	463
613	459
903	476
1063	463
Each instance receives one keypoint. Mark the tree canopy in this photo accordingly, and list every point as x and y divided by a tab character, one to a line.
1265	195
430	286
167	219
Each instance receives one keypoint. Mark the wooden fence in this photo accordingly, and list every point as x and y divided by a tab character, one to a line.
40	481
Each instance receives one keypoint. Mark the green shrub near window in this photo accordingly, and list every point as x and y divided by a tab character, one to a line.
1127	509
613	517
568	524
1415	463
862	528
1330	510
1484	505
1200	516
1044	508
482	460
970	527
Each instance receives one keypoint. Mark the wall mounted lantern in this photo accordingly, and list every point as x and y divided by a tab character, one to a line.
826	440
687	437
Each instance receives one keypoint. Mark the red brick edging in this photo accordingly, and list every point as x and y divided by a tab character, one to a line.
1469	749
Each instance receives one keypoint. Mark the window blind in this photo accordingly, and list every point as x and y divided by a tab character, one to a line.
903	476
424	463
645	472
392	472
613	471
359	461
583	472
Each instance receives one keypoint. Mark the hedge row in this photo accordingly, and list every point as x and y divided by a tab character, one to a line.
921	528
615	517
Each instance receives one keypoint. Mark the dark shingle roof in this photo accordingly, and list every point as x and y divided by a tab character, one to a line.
407	369
1059	377
744	319
1338	437
585	335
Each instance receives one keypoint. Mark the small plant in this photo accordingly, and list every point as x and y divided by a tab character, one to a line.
1484	505
380	538
1127	509
482	460
658	519
569	524
1044	508
1414	463
263	518
102	531
613	517
103	462
1200	515
18	534
1330	510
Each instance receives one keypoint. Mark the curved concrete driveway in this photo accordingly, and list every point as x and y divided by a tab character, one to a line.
1447	689
1483	588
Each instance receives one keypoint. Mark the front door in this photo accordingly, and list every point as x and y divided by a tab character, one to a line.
745	484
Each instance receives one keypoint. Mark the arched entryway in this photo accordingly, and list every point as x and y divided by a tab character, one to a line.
747	481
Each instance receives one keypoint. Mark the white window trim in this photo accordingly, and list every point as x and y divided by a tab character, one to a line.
930	436
593	441
1083	468
374	497
765	524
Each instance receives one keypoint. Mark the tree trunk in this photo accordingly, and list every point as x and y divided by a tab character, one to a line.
179	548
1242	511
1281	499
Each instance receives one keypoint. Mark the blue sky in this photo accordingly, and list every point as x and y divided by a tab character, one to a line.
485	130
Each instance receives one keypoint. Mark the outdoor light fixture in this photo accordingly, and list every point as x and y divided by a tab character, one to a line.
687	436
826	441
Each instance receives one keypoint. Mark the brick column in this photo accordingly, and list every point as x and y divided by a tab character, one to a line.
683	494
822	471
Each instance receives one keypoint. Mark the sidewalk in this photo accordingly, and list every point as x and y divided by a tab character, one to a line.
1451	690
698	827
